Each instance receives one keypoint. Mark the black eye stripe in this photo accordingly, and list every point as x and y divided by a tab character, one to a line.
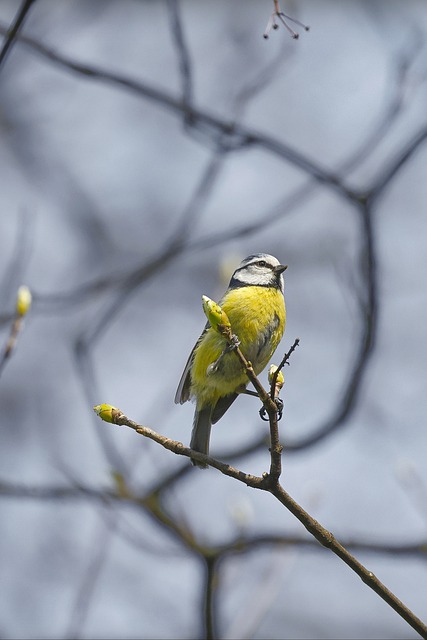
259	263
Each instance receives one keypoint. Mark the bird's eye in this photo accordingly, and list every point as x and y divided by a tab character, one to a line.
262	263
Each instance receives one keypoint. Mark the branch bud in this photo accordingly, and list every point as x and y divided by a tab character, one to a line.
23	301
107	412
218	319
280	380
280	377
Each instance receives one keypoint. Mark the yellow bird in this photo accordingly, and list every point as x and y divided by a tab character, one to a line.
255	305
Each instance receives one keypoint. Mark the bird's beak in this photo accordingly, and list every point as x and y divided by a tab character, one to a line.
280	268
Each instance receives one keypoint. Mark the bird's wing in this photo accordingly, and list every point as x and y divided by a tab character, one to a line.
183	391
222	405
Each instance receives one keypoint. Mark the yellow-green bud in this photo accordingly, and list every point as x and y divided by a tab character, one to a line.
280	377
23	300
107	412
218	319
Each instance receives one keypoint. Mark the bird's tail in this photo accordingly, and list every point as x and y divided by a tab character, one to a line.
201	433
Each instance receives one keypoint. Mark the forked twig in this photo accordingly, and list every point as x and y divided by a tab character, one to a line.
279	15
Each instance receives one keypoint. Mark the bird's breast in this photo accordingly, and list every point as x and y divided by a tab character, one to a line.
257	316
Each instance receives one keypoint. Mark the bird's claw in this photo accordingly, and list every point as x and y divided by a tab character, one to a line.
213	367
263	414
279	404
235	343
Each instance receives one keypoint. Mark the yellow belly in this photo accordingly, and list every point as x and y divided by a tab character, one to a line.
257	316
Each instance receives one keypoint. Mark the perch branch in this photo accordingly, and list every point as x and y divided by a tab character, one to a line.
322	535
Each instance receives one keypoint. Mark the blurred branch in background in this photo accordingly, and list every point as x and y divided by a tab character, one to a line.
184	61
212	556
239	545
360	199
12	32
235	137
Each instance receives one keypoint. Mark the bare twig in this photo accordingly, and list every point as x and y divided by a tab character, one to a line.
184	60
106	496
285	360
23	304
239	545
210	590
270	484
397	163
12	32
235	136
369	315
11	342
322	535
279	15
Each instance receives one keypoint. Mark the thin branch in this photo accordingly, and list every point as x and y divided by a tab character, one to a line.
251	543
209	606
394	105
267	483
369	316
106	496
12	32
282	17
55	492
297	198
285	206
285	360
314	527
23	304
397	163
180	449
184	60
326	538
211	126
181	237
11	342
229	130
153	266
270	481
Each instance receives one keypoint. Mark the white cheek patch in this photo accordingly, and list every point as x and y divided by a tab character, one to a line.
250	279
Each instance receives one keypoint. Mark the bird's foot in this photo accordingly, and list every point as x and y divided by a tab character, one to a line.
279	405
213	367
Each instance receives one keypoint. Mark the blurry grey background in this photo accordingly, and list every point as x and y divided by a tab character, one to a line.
129	191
